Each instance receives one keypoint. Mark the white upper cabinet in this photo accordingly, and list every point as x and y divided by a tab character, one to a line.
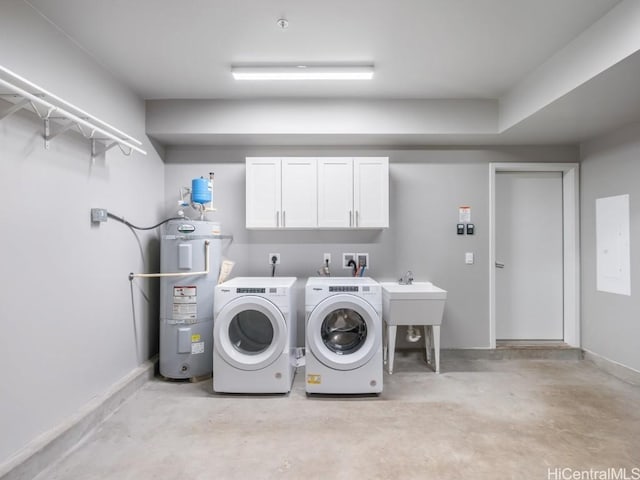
263	192
281	193
299	193
330	192
353	192
371	192
335	192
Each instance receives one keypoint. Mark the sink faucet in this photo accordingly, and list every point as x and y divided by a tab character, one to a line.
407	278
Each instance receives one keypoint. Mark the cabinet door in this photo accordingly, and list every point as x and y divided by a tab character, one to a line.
263	193
335	192
299	193
371	192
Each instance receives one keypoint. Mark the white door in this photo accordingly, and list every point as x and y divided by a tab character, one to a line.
250	333
529	263
371	192
263	193
335	192
299	193
341	332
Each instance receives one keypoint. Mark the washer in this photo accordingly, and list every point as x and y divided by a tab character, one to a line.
254	335
343	335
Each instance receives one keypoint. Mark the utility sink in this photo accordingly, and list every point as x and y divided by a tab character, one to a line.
418	303
413	291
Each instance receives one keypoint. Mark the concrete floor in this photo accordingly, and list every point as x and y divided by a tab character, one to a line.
493	419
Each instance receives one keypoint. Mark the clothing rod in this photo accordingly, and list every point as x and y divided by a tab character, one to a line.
58	99
53	108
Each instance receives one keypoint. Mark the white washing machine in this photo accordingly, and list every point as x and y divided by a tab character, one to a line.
254	335
343	335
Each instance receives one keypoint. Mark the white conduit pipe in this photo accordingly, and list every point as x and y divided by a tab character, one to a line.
177	274
52	108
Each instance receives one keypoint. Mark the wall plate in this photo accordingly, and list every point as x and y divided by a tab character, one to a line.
363	259
271	255
346	257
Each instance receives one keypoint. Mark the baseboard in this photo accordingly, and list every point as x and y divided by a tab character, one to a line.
56	443
624	373
515	353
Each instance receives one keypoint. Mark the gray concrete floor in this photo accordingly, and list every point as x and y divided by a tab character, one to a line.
493	419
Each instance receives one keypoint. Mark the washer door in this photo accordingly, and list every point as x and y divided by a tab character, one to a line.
342	332
249	333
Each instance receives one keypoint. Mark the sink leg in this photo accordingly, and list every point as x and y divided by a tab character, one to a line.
436	345
391	346
427	341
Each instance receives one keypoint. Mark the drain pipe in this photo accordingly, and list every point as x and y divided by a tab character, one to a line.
413	334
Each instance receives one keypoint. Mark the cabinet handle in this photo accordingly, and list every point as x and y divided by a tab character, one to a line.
277	218
357	218
350	218
284	218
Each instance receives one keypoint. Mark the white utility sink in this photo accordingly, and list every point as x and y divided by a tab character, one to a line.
413	291
419	303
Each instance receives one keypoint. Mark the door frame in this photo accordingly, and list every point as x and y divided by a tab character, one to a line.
570	240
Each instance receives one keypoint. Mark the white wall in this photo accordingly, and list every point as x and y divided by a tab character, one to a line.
426	189
610	165
65	299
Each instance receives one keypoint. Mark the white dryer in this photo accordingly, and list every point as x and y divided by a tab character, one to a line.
343	335
254	335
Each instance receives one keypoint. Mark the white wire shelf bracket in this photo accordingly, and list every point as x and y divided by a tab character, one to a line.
60	116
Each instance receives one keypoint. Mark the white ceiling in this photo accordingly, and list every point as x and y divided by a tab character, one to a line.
421	49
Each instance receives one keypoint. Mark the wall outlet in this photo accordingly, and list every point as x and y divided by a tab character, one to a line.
99	215
325	257
270	258
469	258
363	260
345	259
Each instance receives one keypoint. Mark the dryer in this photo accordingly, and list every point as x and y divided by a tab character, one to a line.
343	335
254	335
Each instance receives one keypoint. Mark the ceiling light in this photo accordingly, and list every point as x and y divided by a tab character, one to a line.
303	72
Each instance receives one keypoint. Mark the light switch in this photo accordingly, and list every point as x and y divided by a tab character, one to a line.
468	258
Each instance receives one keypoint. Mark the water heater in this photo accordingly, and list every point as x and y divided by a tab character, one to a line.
191	249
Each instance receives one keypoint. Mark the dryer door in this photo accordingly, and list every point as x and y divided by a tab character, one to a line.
249	333
343	333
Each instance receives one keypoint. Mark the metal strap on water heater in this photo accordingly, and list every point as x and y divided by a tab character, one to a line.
178	274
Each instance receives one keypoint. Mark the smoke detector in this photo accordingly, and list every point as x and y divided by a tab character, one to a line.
283	23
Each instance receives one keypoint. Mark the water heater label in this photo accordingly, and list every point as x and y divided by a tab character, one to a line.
185	307
184	291
197	348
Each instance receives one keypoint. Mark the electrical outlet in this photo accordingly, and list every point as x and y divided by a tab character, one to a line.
270	259
326	257
346	257
363	260
99	215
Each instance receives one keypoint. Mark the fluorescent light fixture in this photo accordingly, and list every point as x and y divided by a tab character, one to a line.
303	72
